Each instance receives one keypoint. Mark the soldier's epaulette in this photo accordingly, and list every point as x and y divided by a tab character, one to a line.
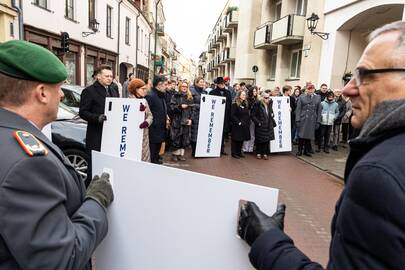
30	144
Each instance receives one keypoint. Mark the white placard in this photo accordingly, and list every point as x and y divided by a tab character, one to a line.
210	126
166	218
282	132
122	136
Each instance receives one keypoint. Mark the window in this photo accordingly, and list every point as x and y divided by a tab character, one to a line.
70	64
141	40
92	12
295	68
278	10
109	21
273	66
127	25
11	29
69	8
41	3
301	7
146	44
90	65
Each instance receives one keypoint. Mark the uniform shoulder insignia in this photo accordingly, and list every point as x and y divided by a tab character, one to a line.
30	144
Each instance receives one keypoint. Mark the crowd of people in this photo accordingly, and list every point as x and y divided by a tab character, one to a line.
320	119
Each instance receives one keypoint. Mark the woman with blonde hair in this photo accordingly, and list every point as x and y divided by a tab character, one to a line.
240	121
181	106
137	88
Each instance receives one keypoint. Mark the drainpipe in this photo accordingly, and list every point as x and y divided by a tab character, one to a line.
19	9
156	26
136	46
149	54
119	36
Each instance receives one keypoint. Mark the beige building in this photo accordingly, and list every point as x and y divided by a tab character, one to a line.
219	59
8	21
287	51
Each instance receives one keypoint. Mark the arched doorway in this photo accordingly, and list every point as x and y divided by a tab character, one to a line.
352	38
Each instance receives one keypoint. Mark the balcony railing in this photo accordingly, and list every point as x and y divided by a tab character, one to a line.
288	30
221	34
228	55
262	38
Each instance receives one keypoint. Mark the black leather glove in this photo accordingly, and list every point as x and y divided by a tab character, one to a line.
101	118
100	190
253	222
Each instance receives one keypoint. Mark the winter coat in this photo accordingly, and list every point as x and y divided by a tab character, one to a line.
168	97
92	103
264	122
157	105
307	115
145	139
330	111
348	112
197	92
342	110
179	130
224	93
321	94
368	228
240	120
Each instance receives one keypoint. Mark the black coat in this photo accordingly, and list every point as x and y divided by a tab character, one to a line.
179	130
342	110
197	92
264	122
92	103
168	98
46	222
368	228
240	120
157	105
224	93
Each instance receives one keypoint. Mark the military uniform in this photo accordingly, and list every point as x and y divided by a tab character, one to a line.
46	222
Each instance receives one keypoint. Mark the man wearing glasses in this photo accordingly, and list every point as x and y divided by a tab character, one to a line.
368	229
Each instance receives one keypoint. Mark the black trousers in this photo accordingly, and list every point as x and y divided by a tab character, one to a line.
324	136
193	147
345	132
154	152
304	145
263	148
236	147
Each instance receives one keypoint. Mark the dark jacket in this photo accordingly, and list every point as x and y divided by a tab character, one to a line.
264	122
92	103
368	228
224	93
342	110
307	115
179	130
197	92
321	94
157	105
168	97
240	120
46	223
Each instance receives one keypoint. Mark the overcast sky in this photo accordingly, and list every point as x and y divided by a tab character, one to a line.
189	23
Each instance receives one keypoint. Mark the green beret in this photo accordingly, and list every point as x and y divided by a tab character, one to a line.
27	61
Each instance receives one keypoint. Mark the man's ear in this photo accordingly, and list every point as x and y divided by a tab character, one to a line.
41	93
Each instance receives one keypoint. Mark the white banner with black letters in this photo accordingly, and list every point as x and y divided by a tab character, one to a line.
210	127
122	136
282	132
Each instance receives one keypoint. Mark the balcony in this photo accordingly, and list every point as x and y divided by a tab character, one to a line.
228	55
221	34
263	34
160	29
210	48
231	21
220	59
288	30
215	42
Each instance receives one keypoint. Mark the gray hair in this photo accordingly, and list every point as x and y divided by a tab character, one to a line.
395	26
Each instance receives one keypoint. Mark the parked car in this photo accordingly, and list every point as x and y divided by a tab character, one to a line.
69	134
72	96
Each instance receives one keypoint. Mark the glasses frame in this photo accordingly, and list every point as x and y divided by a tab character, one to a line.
360	73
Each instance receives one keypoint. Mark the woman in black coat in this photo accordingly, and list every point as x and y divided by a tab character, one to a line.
263	117
181	106
240	121
197	91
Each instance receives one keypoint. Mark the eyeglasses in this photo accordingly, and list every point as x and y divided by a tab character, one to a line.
361	73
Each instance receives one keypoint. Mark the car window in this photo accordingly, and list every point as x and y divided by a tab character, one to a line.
71	99
65	112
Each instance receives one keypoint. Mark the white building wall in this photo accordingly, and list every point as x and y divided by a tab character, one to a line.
128	51
54	21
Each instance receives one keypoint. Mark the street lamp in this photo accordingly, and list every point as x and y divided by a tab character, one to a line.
94	24
312	22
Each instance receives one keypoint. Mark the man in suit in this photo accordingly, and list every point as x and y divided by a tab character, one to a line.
91	109
48	219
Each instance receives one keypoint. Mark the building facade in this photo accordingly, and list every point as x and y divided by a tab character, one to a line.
8	21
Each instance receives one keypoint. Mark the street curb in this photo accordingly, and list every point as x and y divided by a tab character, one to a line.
340	177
